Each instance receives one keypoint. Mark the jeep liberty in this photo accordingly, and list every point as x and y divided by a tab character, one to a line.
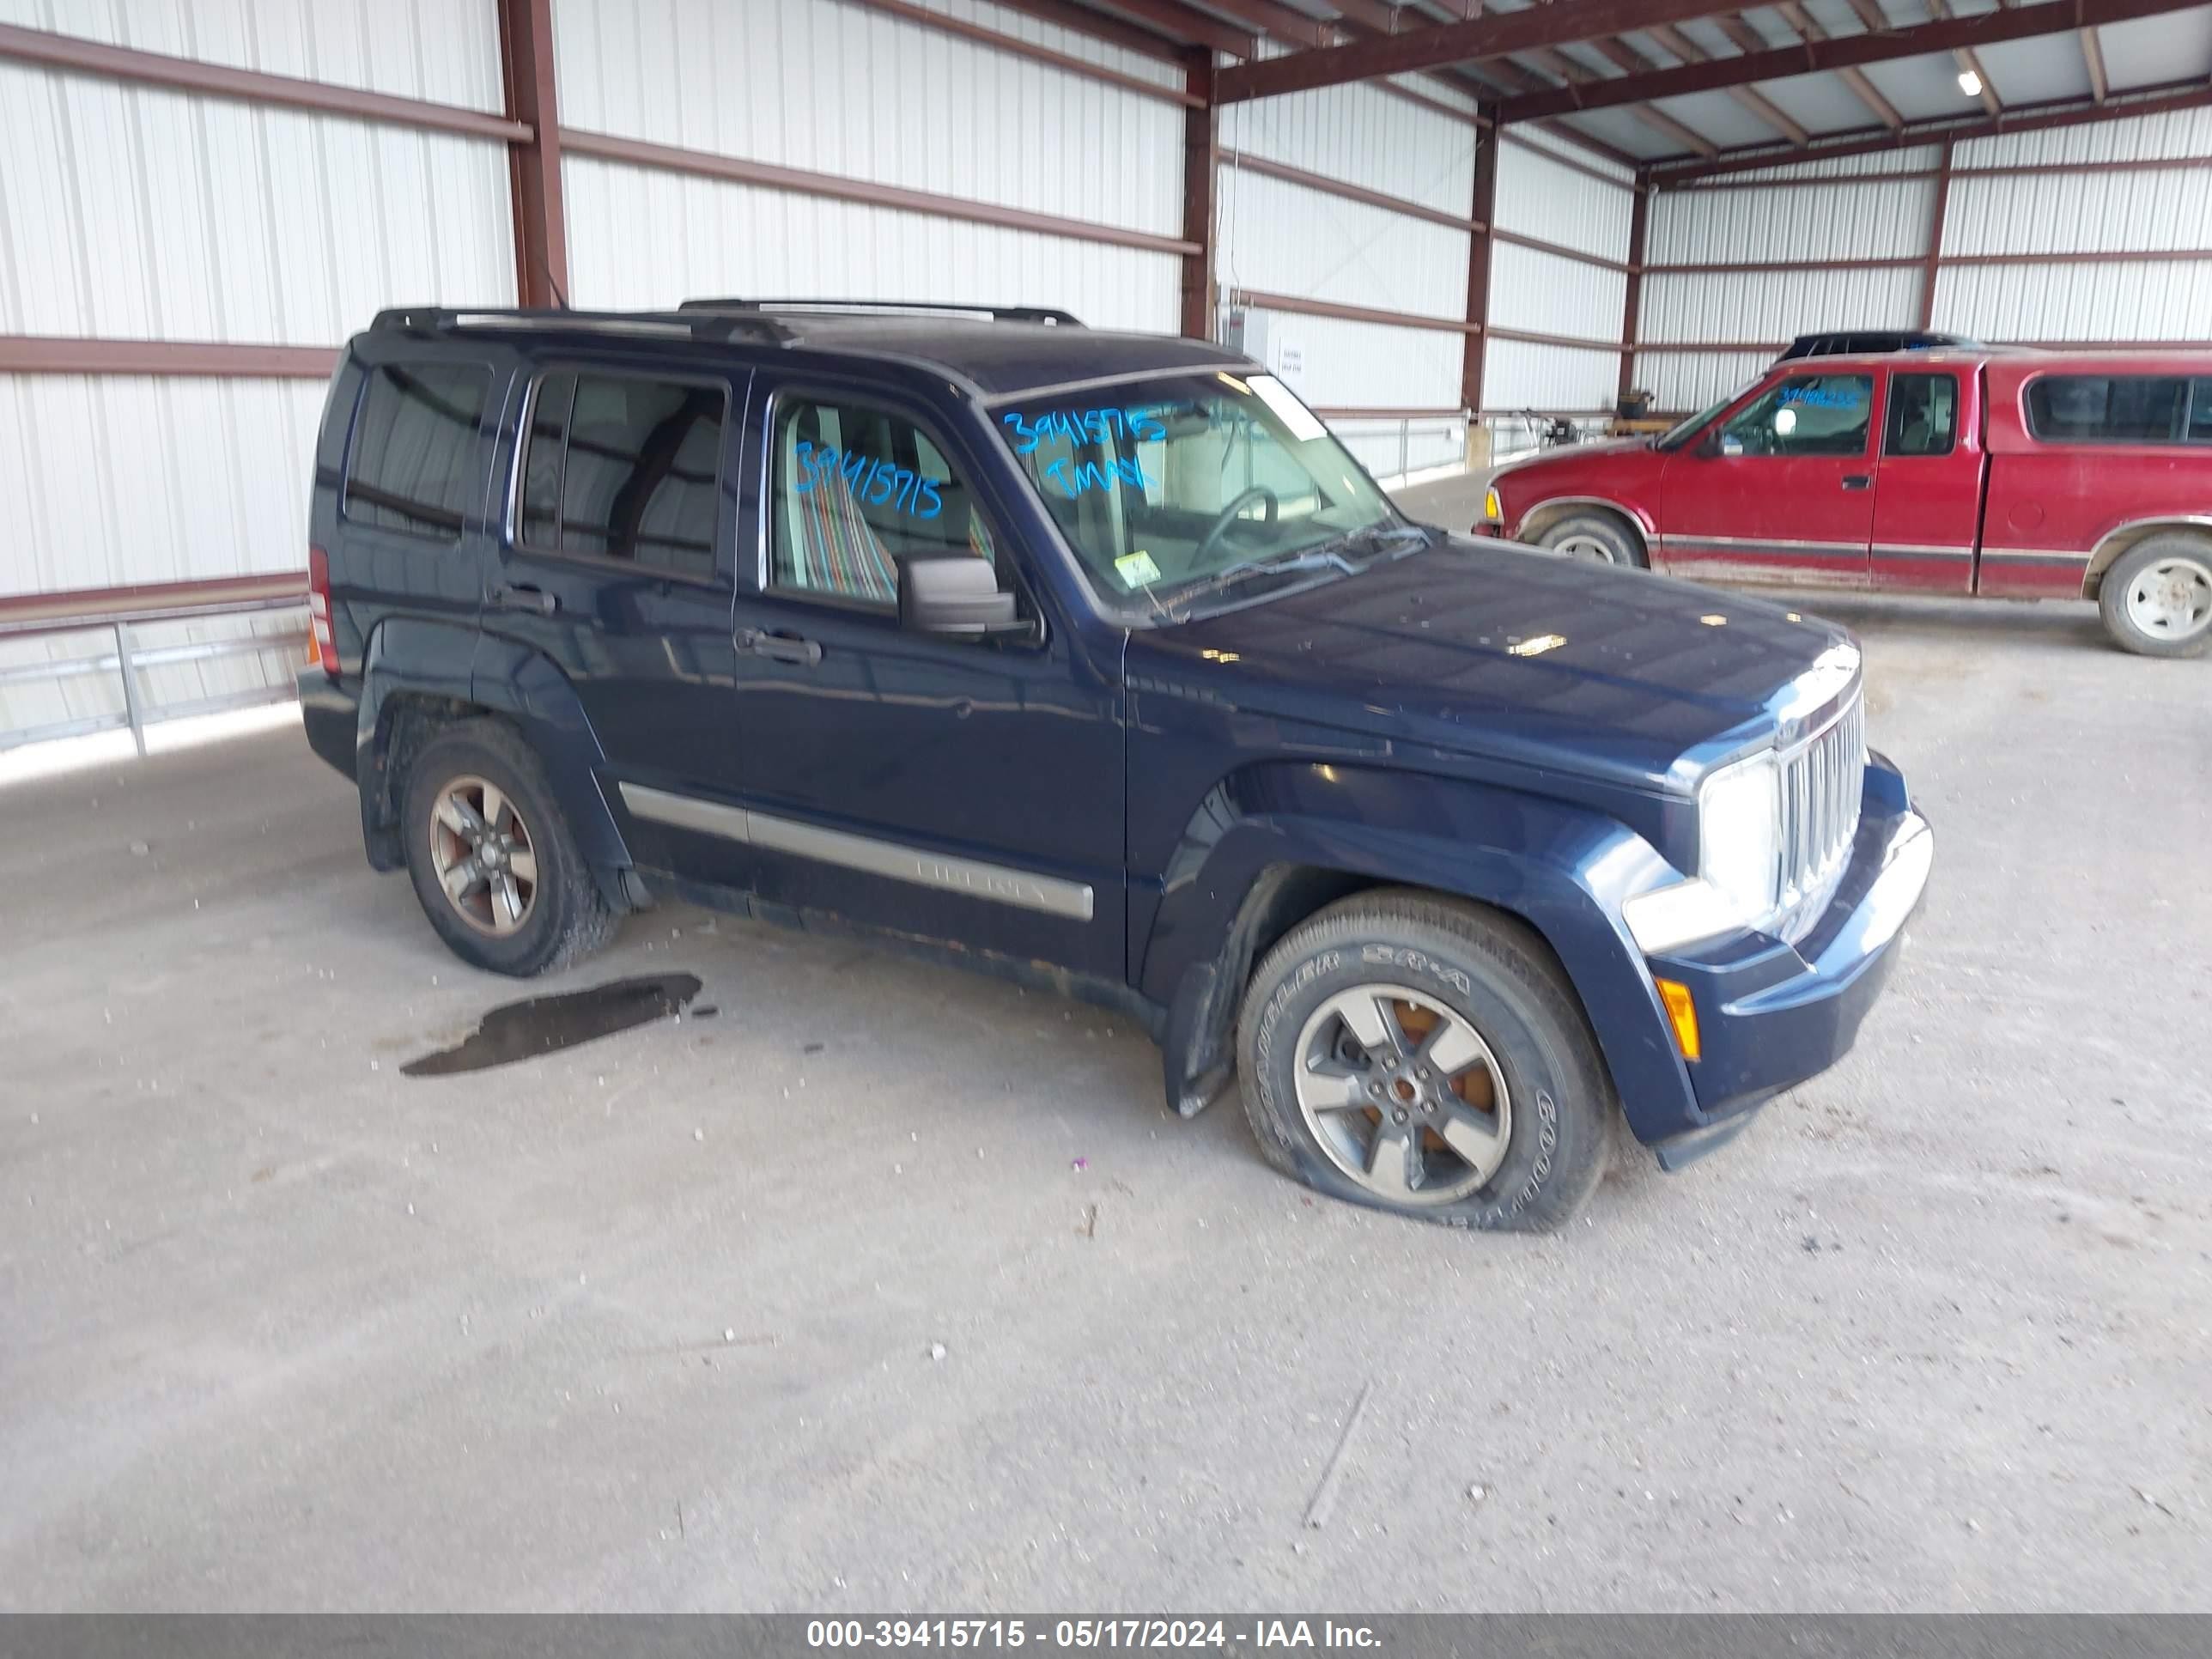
1094	657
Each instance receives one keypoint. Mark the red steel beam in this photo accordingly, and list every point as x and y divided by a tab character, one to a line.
44	353
1863	89
1563	251
541	234
1639	222
1494	34
154	69
1251	163
1015	46
1171	27
1984	28
2021	117
1280	21
1351	313
1936	235
1484	211
1201	170
799	181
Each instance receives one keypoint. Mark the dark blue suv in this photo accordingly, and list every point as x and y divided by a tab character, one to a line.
1094	658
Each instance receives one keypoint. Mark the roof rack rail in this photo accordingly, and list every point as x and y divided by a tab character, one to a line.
1050	316
697	325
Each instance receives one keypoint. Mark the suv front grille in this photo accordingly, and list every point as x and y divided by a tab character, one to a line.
1821	780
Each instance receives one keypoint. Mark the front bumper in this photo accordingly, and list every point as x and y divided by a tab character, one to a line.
1773	1015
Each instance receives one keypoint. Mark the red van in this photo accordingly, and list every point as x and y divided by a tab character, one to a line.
2013	475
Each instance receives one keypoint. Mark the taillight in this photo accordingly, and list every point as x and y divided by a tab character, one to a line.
318	611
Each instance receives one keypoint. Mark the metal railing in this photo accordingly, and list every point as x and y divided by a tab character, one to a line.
127	660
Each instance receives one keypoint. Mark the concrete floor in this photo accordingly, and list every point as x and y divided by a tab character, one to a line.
651	1324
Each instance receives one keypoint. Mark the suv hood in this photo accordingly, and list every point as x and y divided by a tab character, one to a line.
1484	649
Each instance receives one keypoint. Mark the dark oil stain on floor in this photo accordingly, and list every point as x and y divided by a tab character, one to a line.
541	1025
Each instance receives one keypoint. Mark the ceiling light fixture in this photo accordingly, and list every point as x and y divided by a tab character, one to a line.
1970	83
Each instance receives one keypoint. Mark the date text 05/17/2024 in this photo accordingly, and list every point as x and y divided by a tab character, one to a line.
1082	1634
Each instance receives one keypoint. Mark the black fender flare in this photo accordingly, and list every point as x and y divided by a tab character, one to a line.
412	663
1275	843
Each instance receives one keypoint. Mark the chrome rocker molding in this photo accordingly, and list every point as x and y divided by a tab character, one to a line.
1020	888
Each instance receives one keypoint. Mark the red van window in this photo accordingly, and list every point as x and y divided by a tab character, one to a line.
2108	408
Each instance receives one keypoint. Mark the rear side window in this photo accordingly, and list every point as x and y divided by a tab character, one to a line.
1924	415
414	465
2108	408
625	468
2200	410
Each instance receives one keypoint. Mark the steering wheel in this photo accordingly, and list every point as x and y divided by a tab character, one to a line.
1229	516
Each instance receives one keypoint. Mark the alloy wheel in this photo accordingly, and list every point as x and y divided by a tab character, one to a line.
482	855
1403	1095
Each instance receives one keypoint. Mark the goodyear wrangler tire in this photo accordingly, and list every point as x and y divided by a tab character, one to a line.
1428	1058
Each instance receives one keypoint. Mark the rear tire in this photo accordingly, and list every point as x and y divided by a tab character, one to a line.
1479	1098
1597	537
493	864
2157	597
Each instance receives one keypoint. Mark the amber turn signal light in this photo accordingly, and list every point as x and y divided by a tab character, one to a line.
1682	1014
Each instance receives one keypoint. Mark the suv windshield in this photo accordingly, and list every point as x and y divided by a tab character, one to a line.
1172	488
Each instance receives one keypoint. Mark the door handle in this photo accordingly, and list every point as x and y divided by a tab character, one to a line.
523	596
779	647
1857	480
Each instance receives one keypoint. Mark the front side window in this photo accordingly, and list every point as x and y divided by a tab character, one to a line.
1924	415
856	489
1164	483
2200	410
414	466
2108	408
1805	414
624	468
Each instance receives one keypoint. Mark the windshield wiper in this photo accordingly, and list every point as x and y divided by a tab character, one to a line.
1326	555
1311	558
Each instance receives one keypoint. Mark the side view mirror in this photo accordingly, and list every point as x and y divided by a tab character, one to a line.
955	593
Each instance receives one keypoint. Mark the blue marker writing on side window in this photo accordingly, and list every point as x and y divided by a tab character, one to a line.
873	483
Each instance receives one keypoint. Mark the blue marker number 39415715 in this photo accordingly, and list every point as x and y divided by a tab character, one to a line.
873	483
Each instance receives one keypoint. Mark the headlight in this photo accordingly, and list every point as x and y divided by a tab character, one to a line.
1739	877
1492	507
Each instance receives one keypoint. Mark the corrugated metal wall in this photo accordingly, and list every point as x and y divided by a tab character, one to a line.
1988	215
1281	237
844	90
134	212
2082	213
1542	196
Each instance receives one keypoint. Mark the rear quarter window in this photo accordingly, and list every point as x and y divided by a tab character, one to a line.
414	464
2108	408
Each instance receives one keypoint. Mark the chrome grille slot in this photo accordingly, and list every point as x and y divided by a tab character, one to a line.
1821	780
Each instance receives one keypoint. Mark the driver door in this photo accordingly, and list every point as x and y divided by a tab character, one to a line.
1783	489
961	789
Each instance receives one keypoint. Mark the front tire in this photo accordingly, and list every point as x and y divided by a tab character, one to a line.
494	865
1596	538
1427	1058
2157	599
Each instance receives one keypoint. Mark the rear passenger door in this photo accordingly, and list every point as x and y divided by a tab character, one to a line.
617	563
1927	491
